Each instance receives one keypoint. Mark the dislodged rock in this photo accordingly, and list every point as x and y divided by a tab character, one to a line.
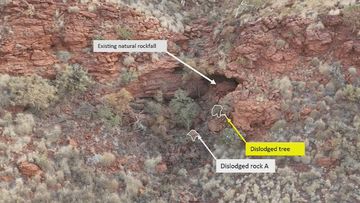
29	169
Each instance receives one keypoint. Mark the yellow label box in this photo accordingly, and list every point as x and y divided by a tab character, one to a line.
275	149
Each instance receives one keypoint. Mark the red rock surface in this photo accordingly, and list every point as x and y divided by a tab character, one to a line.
326	162
252	114
259	52
29	169
156	76
34	39
272	48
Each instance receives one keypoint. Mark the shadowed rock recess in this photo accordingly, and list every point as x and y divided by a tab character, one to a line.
79	126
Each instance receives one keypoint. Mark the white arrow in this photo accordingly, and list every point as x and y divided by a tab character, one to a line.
207	148
193	69
193	134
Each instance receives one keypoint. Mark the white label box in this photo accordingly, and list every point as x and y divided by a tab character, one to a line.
130	45
245	166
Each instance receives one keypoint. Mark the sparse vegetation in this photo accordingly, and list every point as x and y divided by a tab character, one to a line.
27	91
107	159
4	2
280	43
151	163
72	79
184	109
315	62
245	62
256	4
352	70
73	9
98	37
352	93
334	124
119	101
128	60
92	7
351	15
63	56
124	33
229	136
152	108
20	125
108	145
127	76
108	117
285	87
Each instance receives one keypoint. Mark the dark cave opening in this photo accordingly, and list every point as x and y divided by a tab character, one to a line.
222	78
199	88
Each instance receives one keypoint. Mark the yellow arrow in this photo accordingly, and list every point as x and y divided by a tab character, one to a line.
236	130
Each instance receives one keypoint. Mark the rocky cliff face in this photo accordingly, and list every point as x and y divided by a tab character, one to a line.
284	72
41	36
38	35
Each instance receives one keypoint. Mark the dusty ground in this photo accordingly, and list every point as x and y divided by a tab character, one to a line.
285	71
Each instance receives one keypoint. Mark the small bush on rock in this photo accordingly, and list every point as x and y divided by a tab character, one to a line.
184	109
352	93
27	91
124	33
72	79
119	101
108	117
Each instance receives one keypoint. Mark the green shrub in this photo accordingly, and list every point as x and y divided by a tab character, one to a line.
153	108
127	76
72	79
243	61
63	56
27	91
4	2
24	124
351	15
108	117
20	125
228	136
124	33
98	37
73	9
315	62
119	101
4	90
352	93
285	87
279	125
107	158
128	60
184	109
280	43
151	163
256	4
352	70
